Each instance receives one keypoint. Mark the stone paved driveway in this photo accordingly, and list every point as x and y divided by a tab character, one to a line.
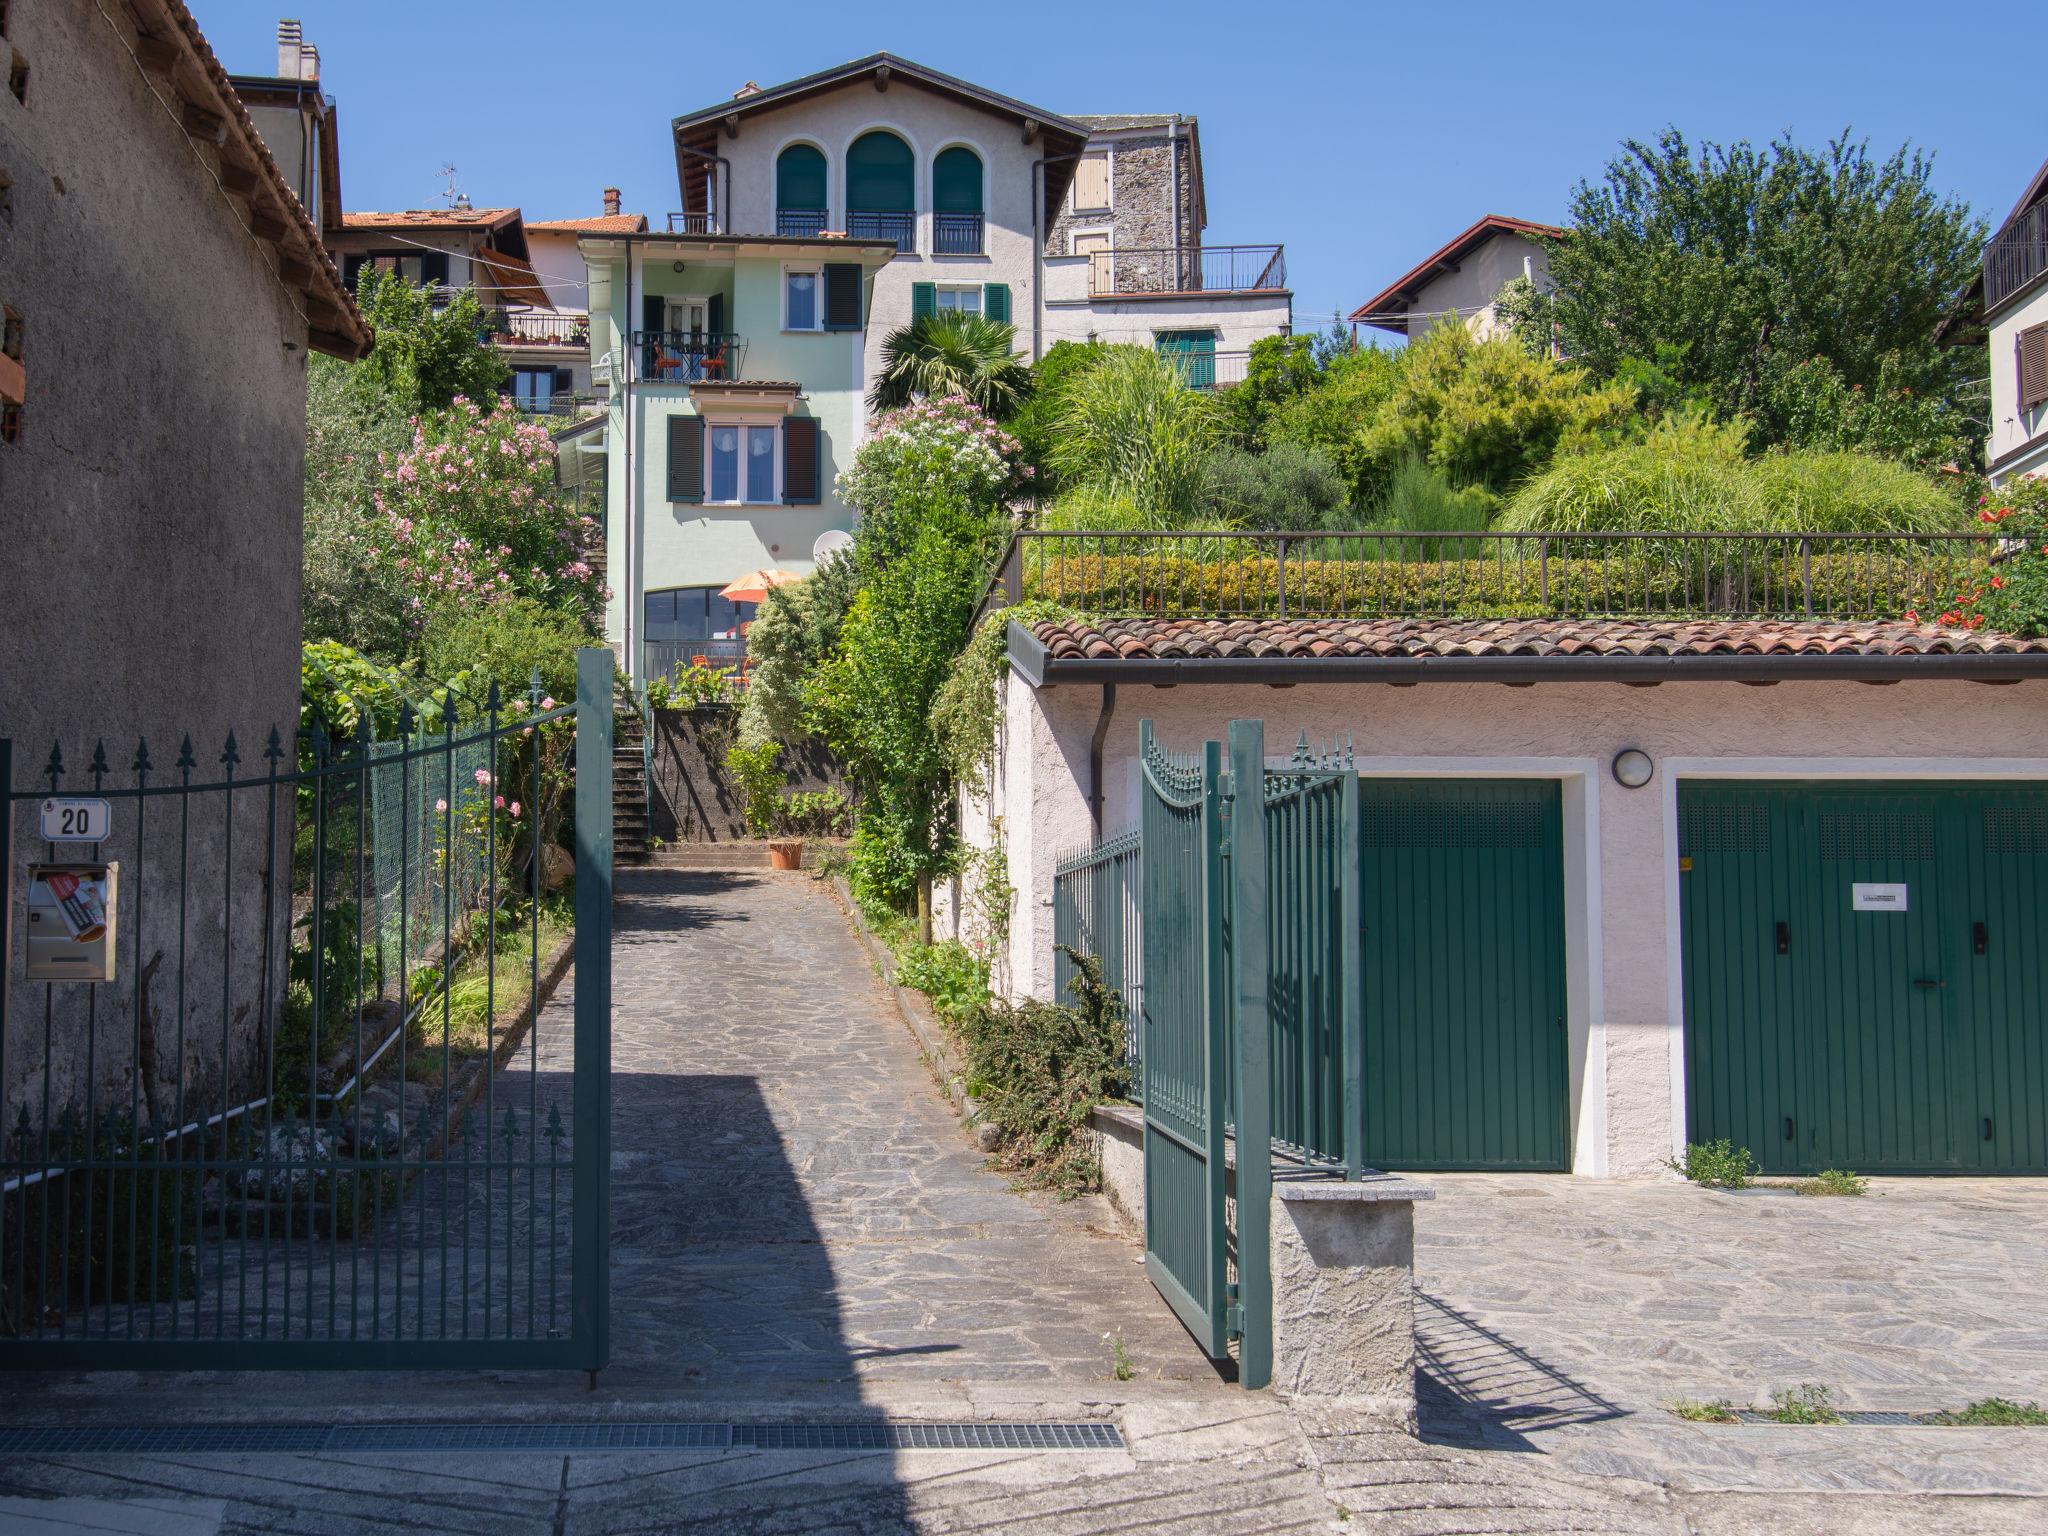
1564	1315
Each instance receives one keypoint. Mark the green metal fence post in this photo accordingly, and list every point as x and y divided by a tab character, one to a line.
1351	957
590	1283
1215	1055
1250	1024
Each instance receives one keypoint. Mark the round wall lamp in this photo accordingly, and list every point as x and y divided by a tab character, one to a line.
1632	768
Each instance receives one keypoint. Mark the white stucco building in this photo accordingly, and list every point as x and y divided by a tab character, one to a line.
1463	278
2015	285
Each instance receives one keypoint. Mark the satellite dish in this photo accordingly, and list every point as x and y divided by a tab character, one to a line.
832	543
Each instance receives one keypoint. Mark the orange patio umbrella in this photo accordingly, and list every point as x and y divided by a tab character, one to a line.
755	585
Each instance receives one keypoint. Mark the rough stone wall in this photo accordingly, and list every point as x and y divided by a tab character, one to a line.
694	800
1144	206
151	515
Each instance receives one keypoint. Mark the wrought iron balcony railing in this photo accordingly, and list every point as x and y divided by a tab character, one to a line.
1191	269
957	234
801	223
1211	370
1366	575
683	357
2017	256
899	225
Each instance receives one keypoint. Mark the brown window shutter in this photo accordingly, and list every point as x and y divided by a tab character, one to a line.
2033	350
686	458
800	460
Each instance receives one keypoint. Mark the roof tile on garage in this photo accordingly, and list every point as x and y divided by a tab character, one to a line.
1300	639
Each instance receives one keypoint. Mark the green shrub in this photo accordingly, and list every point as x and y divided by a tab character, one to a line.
1131	426
1036	422
1419	499
949	973
1846	492
1043	1067
753	772
1092	509
814	813
504	642
2011	595
1288	487
1640	488
1717	1165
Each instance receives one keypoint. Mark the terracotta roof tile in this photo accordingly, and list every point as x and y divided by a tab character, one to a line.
1183	639
594	224
431	218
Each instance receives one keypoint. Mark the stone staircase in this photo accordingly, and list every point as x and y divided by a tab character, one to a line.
632	834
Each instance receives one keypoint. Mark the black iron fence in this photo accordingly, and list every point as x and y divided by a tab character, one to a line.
1188	269
1494	575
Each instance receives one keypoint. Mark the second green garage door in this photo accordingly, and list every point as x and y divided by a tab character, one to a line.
1866	977
1462	902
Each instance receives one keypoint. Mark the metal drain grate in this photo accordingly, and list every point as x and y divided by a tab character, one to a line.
313	1439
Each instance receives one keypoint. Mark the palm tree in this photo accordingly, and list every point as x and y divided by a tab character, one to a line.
950	353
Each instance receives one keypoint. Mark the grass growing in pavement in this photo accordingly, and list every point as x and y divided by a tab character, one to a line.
1994	1411
1810	1404
490	985
1119	1357
1720	1411
1717	1165
1833	1181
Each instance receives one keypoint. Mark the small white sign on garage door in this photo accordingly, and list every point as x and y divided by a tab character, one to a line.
1877	898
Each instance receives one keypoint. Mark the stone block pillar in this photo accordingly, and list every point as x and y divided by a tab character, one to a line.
1344	1291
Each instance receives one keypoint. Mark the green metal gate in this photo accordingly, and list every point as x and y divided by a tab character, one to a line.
1462	891
1864	977
276	1138
1249	1015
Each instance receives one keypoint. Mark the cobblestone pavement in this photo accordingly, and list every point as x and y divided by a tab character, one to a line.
1565	1314
801	1229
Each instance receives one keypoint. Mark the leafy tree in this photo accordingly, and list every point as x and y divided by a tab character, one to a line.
504	643
1741	266
1354	384
425	355
950	353
795	628
1278	369
353	592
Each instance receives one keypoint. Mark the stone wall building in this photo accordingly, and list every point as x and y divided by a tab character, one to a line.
162	287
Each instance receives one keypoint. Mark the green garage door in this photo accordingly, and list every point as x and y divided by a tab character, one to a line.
1462	896
1865	974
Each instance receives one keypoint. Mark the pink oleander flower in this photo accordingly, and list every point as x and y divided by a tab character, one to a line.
515	810
499	802
440	805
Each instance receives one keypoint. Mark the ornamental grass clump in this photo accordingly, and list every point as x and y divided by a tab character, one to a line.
1041	1068
1132	428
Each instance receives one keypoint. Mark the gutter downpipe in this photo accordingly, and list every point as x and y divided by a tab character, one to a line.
1095	756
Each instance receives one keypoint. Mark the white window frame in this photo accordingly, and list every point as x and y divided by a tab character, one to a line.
741	424
1108	153
817	273
977	289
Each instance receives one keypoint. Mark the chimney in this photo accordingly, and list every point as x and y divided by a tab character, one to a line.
309	64
289	41
749	89
611	201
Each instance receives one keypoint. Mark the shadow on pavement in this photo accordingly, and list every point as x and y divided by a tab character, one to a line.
1475	1387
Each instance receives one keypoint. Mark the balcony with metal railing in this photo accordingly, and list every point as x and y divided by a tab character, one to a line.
536	328
801	223
2017	257
1190	269
693	224
671	658
897	224
958	234
685	357
1211	370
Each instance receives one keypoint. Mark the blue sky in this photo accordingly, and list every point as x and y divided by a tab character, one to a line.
1361	135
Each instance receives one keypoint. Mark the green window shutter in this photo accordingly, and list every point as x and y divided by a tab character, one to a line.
714	313
881	174
924	300
686	458
800	460
842	296
800	178
956	181
995	301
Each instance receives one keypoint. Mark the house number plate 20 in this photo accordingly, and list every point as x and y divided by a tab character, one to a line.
72	819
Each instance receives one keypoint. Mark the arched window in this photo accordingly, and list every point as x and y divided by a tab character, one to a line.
881	189
956	202
800	206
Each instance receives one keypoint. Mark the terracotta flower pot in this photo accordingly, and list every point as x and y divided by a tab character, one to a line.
786	853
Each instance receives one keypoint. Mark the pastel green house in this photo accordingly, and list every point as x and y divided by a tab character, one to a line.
735	383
